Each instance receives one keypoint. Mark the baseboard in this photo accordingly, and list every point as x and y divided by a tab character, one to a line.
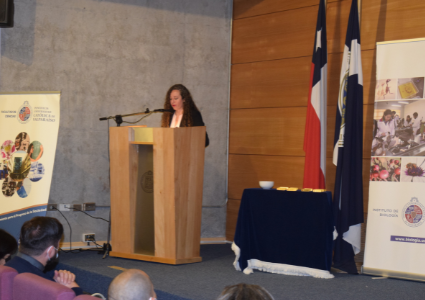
214	240
83	245
78	245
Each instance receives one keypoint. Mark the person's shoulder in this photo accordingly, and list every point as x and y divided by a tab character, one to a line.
195	112
14	260
19	264
197	118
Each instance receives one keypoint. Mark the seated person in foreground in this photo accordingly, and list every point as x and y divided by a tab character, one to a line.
131	285
40	238
243	291
8	246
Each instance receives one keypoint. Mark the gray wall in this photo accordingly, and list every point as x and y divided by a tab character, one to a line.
117	57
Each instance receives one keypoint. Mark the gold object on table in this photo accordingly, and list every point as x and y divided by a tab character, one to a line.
293	189
319	190
281	188
307	190
407	90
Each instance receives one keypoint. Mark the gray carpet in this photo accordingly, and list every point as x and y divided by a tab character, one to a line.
205	280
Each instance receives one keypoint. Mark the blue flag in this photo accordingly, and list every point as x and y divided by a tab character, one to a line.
348	148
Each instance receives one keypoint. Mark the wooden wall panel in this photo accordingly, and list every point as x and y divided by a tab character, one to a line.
280	131
369	74
336	25
245	171
267	131
250	8
232	218
285	82
386	20
334	71
266	37
279	83
274	36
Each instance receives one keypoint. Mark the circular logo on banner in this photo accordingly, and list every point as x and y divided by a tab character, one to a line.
413	213
147	182
25	112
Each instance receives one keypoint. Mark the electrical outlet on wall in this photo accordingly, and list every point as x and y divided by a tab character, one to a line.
89	206
52	207
65	207
89	237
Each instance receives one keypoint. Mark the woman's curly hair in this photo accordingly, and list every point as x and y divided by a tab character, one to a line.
188	106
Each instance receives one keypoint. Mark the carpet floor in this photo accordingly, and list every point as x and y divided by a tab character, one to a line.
205	280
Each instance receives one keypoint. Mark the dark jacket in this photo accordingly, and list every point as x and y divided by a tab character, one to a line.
196	121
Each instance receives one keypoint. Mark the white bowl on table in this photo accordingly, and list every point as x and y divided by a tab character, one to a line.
267	185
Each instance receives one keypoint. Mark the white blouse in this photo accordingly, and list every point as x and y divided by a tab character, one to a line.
175	122
385	127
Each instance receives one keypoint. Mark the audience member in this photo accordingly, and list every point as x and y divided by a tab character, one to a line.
8	246
243	291
131	285
39	245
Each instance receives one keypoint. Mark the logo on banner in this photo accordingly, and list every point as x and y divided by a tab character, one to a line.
413	213
25	112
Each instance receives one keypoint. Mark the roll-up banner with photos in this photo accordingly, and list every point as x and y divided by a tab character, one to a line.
395	237
29	124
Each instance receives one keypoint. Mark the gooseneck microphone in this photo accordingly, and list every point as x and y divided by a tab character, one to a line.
118	118
163	110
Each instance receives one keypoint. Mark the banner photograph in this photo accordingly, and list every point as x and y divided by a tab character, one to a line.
29	125
397	178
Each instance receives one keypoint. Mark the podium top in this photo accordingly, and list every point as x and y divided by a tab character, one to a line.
146	135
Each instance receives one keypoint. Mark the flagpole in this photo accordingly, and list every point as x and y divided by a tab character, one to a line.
359	8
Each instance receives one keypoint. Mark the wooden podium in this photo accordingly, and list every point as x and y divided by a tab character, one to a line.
156	193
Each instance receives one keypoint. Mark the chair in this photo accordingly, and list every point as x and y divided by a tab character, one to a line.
29	286
85	297
7	275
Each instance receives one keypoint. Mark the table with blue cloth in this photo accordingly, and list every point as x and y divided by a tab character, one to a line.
285	232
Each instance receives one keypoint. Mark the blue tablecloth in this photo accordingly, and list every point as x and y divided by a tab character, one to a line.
285	232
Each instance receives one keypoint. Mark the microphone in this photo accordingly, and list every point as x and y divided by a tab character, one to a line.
163	110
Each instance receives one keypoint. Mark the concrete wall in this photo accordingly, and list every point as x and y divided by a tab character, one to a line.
117	57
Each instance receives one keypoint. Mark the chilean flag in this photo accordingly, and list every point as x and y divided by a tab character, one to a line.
315	127
348	150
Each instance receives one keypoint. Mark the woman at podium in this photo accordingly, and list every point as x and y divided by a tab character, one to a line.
185	114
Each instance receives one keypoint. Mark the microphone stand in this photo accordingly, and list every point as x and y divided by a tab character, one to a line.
118	118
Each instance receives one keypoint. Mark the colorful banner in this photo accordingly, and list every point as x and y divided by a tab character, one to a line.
395	234
29	125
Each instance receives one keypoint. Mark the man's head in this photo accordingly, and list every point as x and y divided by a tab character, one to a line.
39	235
8	246
415	115
131	285
245	291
